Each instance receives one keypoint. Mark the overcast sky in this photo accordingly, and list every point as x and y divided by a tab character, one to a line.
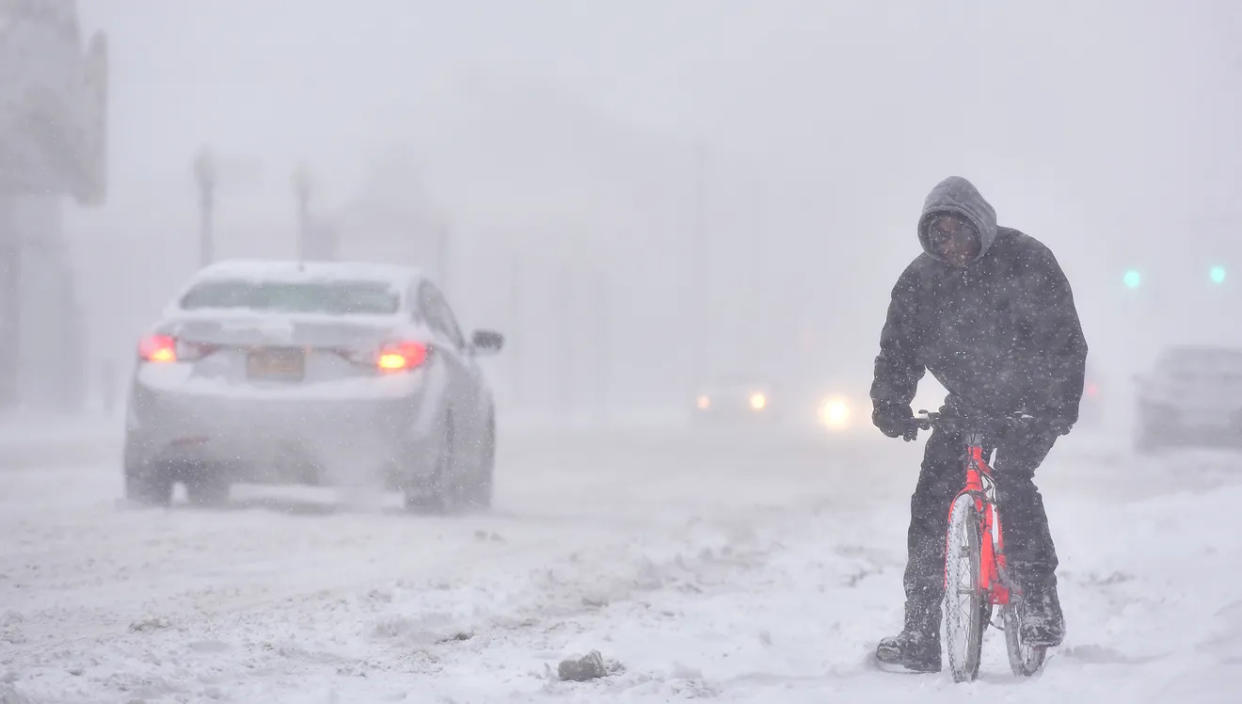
1107	129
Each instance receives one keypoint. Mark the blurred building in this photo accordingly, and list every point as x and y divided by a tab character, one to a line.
392	218
52	98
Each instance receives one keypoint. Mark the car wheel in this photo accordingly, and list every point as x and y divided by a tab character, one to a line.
205	486
481	494
148	483
435	494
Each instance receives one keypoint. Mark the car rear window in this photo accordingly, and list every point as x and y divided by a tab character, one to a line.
1210	365
331	297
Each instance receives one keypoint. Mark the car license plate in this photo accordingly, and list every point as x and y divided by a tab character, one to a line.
276	363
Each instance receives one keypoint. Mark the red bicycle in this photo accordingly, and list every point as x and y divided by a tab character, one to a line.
976	579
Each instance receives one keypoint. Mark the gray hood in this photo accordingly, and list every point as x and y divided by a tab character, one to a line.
958	196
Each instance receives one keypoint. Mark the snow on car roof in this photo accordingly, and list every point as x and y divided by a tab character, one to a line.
1198	355
293	271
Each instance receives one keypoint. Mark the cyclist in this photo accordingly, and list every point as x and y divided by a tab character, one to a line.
989	312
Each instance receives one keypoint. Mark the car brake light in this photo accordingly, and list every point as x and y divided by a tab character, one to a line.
158	348
164	349
401	356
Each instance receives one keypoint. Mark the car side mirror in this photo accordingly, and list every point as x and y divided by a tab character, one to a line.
487	342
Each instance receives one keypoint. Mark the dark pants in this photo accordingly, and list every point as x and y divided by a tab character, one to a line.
1029	551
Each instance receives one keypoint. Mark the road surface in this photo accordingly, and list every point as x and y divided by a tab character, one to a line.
756	566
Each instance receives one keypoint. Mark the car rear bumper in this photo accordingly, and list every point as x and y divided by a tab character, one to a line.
1220	427
1195	436
282	440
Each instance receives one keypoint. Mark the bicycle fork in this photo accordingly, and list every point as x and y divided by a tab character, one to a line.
993	573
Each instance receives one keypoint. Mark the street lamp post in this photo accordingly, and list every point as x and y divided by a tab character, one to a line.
205	176
302	190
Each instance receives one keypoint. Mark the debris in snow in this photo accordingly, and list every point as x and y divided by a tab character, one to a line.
484	536
456	637
589	667
1112	578
852	580
381	596
150	624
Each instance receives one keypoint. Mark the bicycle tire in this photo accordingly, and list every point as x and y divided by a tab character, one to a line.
964	600
1024	659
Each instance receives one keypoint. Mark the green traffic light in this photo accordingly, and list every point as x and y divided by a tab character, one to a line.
1217	274
1133	278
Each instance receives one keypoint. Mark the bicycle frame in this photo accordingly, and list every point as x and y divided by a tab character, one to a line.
991	585
980	485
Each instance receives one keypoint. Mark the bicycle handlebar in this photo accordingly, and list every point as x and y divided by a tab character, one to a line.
927	420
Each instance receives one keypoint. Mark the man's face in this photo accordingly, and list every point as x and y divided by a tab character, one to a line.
953	239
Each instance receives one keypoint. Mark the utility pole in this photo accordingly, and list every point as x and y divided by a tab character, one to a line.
566	351
601	315
205	176
442	256
514	351
10	301
757	265
698	298
302	191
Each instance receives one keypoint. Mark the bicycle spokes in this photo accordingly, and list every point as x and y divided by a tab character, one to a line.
975	572
963	602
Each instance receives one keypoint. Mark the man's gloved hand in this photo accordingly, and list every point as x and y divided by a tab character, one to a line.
894	420
1047	428
1058	425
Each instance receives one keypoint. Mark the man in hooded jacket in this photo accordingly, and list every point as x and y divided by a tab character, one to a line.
988	311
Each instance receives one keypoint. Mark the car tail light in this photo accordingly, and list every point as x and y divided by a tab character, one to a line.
164	349
158	348
401	356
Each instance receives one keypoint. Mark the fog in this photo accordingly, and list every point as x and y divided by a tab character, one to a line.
726	181
643	197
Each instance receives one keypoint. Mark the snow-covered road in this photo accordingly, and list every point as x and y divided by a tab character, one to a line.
757	567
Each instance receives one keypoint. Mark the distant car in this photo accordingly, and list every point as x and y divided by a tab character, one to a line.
316	373
1091	407
1193	396
837	412
735	397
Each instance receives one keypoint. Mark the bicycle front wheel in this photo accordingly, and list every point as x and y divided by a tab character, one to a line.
1025	659
963	597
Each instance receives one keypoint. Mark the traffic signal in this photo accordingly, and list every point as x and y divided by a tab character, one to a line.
1132	279
1217	275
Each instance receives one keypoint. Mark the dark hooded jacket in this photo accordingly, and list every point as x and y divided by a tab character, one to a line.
1001	334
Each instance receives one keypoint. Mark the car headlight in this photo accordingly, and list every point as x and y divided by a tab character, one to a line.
704	402
758	401
835	413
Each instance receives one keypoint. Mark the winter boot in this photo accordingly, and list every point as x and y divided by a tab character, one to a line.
917	647
1042	621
